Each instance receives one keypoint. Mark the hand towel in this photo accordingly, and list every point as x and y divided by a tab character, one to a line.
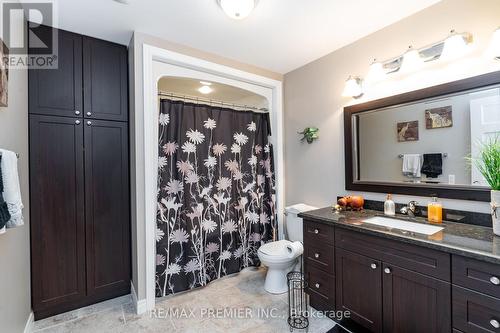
433	165
12	191
4	210
412	164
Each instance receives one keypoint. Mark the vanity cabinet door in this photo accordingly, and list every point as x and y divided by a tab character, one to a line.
359	288
414	302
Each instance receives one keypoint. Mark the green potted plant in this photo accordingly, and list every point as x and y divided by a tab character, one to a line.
488	164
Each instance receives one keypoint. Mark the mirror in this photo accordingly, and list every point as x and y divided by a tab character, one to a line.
418	143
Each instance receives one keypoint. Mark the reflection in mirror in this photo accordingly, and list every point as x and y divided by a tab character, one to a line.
426	141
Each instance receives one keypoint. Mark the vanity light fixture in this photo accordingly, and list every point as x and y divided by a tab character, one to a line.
205	90
237	9
376	73
411	61
353	87
455	45
495	45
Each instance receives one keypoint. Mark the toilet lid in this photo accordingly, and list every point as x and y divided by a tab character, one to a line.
277	248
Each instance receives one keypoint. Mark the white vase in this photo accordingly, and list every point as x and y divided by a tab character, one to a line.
495	211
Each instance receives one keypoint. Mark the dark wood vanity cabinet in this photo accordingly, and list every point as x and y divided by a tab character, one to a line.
79	177
387	286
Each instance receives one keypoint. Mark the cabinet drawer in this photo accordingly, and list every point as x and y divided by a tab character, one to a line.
320	255
416	258
320	285
477	275
318	232
475	312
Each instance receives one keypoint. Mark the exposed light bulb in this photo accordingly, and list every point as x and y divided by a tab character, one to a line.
411	61
205	90
353	87
237	9
454	47
376	73
494	48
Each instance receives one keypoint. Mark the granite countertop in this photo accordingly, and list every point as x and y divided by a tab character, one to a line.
458	238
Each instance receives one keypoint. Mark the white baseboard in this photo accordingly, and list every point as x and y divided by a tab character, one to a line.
29	323
140	305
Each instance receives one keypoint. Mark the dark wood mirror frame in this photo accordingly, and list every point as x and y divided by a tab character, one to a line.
442	191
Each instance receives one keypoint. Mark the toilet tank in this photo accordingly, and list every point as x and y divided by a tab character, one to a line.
293	223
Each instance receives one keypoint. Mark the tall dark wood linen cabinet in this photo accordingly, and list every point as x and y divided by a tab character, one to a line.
79	176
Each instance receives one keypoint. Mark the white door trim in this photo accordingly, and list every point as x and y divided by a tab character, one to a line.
151	54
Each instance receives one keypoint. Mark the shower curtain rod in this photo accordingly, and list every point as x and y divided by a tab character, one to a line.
211	101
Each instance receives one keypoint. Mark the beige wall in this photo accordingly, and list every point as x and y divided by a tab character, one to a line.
137	138
15	295
315	173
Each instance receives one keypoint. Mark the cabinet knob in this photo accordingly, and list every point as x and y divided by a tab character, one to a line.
495	280
373	266
77	112
77	122
89	123
316	255
89	114
495	323
387	270
316	231
317	285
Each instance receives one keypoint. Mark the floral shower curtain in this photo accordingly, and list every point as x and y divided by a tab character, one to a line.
216	197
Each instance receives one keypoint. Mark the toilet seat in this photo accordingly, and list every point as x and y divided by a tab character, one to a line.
275	250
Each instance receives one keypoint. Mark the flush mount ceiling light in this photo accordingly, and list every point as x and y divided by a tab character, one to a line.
237	9
205	90
353	87
455	45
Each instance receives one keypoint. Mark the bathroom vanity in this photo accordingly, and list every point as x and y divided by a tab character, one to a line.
392	280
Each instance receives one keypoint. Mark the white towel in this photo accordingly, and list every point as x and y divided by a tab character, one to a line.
11	188
412	163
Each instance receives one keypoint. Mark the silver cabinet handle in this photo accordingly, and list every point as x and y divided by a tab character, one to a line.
77	112
373	266
89	123
495	280
317	285
316	255
495	323
77	122
89	113
387	270
316	231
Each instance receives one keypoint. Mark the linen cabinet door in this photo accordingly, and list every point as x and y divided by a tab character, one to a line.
105	80
414	302
57	214
58	92
107	208
359	288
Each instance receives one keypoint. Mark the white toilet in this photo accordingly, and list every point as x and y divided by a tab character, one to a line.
280	257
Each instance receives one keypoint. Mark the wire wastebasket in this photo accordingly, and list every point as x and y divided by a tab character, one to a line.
297	302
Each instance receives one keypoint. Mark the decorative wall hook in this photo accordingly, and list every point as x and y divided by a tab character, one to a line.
309	134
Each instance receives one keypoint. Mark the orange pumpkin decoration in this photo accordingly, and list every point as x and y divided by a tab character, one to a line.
354	202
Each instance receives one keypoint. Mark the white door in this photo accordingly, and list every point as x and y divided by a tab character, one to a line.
485	125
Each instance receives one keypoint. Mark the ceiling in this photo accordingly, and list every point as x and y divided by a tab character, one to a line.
280	35
221	92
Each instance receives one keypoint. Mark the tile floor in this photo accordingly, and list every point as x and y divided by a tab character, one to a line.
242	296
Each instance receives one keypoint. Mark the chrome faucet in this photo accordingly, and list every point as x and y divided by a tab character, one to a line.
411	209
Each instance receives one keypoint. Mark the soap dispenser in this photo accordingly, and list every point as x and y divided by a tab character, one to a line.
389	206
435	211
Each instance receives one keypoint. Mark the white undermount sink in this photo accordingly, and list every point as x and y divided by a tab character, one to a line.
404	225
